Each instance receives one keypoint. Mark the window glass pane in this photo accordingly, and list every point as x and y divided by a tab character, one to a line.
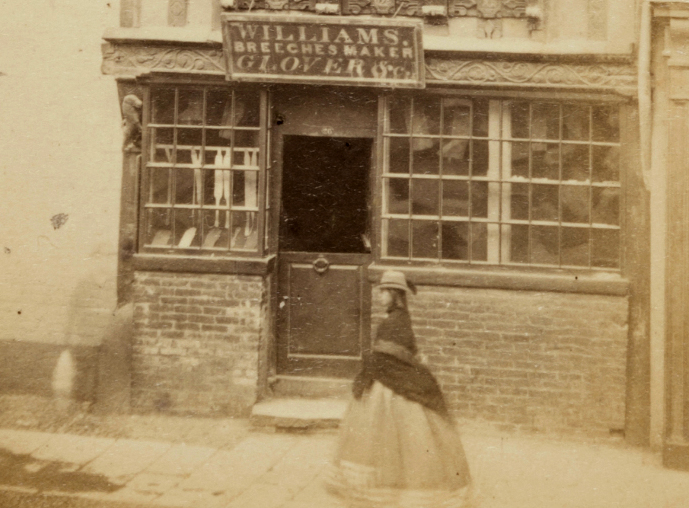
218	153
189	143
245	189
520	119
163	105
398	195
426	156
544	202
159	230
479	241
188	184
162	140
215	233
575	122
456	156
245	157
606	205
605	248
455	240
400	115
606	162
455	198
425	197
244	231
219	107
426	118
520	159
575	203
247	107
217	187
479	199
456	117
159	185
190	107
545	122
425	239
544	245
479	163
397	240
575	246
519	243
606	124
186	232
399	155
575	162
519	201
480	126
545	160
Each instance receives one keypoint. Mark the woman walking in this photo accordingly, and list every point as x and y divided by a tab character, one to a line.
398	444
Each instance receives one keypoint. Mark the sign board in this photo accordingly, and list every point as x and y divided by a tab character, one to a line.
326	50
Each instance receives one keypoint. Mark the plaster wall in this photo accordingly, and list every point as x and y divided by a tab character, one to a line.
59	154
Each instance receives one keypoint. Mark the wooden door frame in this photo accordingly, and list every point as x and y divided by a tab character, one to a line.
278	132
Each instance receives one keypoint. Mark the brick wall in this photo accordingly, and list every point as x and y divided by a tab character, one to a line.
196	343
530	361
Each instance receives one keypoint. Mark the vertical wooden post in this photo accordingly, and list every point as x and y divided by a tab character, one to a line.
130	13
676	445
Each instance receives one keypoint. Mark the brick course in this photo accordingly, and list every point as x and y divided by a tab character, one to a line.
531	361
196	343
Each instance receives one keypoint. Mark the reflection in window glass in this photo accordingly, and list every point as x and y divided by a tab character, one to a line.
514	182
425	239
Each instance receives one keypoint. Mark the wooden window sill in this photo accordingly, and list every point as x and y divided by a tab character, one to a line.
599	283
200	264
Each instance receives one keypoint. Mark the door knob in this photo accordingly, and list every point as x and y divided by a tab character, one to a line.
321	265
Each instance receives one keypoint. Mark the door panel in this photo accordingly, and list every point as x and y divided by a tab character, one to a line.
323	312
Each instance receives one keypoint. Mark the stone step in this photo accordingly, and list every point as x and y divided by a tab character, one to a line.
311	387
299	413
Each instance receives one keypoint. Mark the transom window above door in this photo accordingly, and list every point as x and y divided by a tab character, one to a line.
205	170
507	182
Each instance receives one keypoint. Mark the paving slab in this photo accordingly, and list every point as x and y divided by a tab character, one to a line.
73	449
233	471
181	459
263	496
301	464
152	483
315	494
22	442
180	498
127	457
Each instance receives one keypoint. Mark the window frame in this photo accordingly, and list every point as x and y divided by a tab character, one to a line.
564	97
222	259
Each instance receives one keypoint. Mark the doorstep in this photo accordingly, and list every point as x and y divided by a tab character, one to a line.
298	413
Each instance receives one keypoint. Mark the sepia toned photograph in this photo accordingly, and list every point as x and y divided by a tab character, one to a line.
344	254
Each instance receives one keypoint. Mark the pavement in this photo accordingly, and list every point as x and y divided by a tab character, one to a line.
264	468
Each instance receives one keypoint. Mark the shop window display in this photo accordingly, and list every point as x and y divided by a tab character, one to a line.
487	181
203	169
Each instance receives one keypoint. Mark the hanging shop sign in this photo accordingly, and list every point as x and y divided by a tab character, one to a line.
318	49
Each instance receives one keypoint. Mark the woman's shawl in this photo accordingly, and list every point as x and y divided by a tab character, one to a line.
395	366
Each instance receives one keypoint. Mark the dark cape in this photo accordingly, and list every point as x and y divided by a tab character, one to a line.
402	373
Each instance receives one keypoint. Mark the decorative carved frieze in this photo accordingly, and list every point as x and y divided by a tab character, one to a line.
129	59
462	8
302	5
250	5
409	8
481	72
380	7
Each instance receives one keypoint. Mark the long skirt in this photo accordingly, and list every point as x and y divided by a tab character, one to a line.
397	453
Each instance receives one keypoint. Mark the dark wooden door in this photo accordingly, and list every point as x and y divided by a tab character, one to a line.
323	293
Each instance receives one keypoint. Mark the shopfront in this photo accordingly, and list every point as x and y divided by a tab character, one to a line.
280	174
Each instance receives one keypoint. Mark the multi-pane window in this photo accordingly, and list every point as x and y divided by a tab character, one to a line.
506	182
204	172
